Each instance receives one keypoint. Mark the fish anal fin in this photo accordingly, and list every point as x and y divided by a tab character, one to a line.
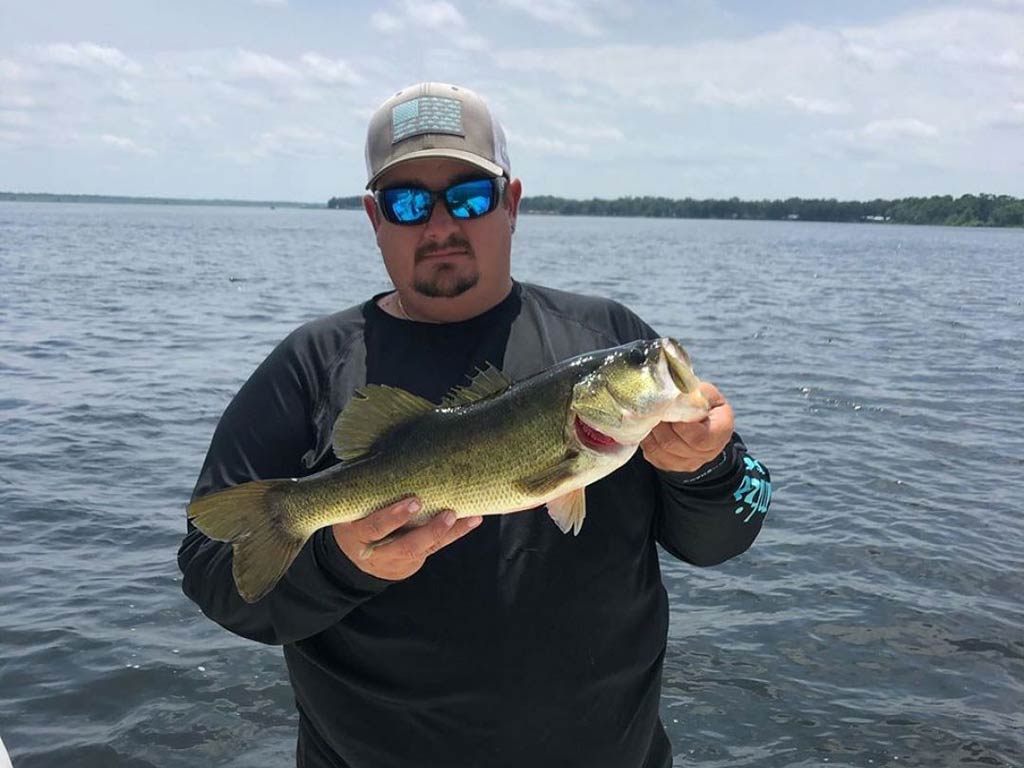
569	510
372	412
486	382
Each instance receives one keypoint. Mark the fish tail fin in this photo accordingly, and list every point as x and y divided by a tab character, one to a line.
253	518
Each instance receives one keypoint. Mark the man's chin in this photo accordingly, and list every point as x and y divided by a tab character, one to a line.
445	284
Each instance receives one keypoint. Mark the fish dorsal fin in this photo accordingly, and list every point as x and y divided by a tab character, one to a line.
486	382
372	412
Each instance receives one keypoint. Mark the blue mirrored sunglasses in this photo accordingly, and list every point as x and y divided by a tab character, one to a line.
466	200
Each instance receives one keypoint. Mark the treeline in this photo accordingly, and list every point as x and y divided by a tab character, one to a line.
966	211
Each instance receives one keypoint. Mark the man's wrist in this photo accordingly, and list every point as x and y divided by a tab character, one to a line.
709	471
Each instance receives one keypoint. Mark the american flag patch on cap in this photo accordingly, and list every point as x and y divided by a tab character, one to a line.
427	114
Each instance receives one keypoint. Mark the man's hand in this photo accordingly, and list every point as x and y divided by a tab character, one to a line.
403	555
686	447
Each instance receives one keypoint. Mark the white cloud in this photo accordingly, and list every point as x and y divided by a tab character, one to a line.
1012	116
937	67
419	15
330	71
196	122
270	3
11	70
587	130
570	15
434	14
818	106
386	22
426	18
899	128
124	144
125	92
545	145
260	66
88	56
14	118
289	141
714	94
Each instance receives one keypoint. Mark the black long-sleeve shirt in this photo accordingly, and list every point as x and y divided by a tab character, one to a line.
514	646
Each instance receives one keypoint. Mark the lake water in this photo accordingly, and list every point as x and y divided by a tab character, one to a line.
878	371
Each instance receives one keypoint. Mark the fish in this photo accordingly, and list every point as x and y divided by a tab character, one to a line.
489	447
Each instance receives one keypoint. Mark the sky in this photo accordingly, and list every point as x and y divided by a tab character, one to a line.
269	99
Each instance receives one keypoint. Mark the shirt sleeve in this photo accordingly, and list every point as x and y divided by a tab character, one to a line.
713	514
263	434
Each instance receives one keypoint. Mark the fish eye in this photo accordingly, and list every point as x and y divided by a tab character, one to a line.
636	356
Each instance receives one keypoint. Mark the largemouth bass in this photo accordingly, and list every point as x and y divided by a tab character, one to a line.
490	447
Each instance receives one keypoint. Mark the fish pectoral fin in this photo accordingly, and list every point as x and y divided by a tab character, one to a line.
372	412
569	510
487	382
550	478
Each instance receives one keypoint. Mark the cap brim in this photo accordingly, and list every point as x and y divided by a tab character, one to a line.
454	154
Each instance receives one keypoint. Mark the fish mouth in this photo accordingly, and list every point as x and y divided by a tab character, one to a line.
594	439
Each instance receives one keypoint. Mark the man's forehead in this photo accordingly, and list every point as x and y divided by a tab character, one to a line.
429	172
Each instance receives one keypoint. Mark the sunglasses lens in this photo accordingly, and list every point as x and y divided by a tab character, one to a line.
407	205
471	198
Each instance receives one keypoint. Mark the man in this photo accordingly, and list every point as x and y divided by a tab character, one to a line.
510	644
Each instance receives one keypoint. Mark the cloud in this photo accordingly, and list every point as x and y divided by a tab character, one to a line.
426	18
124	144
11	70
545	145
899	128
88	56
818	106
14	118
570	15
434	14
386	22
196	122
587	131
270	3
935	66
419	15
330	71
261	66
288	141
1011	116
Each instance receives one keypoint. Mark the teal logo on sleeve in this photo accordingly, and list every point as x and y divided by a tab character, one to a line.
755	491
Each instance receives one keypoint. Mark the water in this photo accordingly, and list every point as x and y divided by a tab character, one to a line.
879	372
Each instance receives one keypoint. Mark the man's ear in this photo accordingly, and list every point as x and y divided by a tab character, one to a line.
513	194
370	206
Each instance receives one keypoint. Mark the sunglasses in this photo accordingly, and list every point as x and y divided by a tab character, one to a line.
408	204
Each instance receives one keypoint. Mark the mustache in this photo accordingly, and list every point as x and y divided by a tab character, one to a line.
453	243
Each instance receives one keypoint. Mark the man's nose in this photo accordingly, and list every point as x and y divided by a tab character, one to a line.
440	223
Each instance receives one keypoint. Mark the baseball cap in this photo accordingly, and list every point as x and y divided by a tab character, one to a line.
435	120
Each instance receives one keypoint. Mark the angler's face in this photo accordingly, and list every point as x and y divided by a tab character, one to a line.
446	256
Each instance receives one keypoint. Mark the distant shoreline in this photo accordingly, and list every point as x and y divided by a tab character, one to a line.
47	197
982	210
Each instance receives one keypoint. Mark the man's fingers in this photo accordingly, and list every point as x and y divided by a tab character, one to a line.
421	542
696	434
385	520
667	438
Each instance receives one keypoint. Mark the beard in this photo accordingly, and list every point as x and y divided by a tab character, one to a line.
445	283
446	280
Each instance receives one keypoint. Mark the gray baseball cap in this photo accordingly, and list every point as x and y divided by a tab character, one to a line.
435	120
